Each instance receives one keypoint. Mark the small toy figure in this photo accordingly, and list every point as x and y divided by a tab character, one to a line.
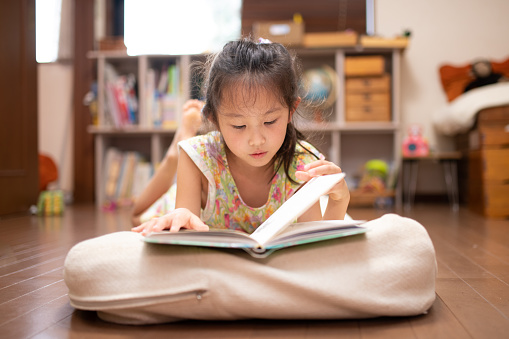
415	145
374	177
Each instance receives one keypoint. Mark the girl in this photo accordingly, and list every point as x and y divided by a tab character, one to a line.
237	176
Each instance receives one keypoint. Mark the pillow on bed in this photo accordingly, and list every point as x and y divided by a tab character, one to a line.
454	79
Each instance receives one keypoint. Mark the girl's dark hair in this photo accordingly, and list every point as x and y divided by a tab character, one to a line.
245	63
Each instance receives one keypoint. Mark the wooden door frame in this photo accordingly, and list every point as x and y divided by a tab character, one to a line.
19	172
83	146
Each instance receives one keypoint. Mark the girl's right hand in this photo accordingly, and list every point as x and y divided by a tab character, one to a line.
174	221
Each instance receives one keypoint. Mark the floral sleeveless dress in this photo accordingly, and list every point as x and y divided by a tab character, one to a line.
224	207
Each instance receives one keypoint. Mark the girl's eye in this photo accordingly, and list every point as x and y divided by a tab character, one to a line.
271	122
239	127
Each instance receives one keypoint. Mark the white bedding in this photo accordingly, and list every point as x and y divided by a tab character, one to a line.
459	115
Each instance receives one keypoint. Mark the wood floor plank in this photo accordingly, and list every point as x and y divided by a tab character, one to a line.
458	263
34	261
87	325
476	315
493	291
28	254
387	328
479	256
26	286
439	322
37	320
37	269
280	329
333	329
26	303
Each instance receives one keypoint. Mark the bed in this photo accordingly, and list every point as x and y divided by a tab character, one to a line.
479	121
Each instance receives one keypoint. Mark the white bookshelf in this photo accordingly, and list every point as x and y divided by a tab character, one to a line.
349	144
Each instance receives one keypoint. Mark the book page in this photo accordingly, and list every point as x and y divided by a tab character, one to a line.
294	207
214	238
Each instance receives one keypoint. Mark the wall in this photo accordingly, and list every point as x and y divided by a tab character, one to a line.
452	31
55	118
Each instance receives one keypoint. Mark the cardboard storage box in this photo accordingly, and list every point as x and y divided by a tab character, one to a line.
112	44
330	39
364	65
284	32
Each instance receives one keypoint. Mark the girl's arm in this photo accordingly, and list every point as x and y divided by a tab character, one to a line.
188	184
188	203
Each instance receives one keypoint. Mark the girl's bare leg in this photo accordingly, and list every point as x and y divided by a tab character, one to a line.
165	173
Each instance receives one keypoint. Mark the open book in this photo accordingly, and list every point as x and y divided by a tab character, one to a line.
278	231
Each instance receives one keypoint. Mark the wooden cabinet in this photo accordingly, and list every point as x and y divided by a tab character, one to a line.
488	159
349	143
368	98
367	89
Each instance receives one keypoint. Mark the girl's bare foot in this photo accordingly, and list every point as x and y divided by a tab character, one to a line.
191	122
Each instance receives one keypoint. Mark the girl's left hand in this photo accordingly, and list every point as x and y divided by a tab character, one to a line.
324	167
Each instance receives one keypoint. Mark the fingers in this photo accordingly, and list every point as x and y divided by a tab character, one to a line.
138	228
197	224
174	221
156	224
303	176
321	167
187	220
178	222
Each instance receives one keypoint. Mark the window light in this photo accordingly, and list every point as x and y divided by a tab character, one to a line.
47	29
180	27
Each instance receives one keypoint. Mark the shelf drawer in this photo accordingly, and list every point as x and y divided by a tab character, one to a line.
495	164
368	112
495	136
490	200
496	201
367	98
368	84
368	106
491	166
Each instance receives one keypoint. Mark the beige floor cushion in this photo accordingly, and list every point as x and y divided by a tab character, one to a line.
389	271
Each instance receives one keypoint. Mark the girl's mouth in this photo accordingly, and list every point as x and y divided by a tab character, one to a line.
258	155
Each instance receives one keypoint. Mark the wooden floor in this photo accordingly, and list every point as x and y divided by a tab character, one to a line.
472	285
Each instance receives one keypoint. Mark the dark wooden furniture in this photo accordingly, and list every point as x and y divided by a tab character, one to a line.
19	181
487	149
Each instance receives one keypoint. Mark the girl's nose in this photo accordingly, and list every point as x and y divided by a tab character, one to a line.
256	139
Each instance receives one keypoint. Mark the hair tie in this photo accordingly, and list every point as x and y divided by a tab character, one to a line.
262	41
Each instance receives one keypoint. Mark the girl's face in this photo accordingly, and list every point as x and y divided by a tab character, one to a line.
253	125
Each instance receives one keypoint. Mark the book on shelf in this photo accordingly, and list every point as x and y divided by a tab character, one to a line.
124	190
121	107
142	175
163	97
126	175
147	118
278	231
